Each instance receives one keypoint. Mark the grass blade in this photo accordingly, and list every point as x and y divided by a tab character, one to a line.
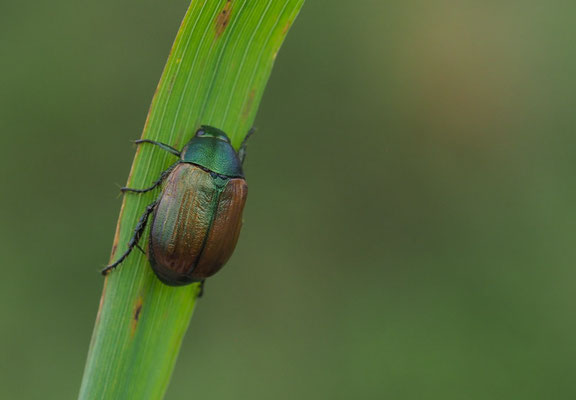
216	74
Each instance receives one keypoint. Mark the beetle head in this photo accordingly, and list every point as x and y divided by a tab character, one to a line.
210	149
207	131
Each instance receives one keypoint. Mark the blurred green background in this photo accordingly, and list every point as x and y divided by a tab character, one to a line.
409	230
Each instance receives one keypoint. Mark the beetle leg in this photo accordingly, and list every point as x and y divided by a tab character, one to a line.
155	184
163	146
138	231
201	292
242	150
140	248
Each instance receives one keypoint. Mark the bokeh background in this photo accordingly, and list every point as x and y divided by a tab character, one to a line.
410	227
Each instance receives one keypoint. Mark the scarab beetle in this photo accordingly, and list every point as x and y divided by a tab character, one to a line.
196	220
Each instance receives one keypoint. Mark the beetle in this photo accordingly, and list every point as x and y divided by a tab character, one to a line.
196	220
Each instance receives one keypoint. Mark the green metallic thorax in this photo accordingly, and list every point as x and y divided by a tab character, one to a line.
211	149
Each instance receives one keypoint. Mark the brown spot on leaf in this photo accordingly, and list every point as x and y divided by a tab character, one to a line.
223	19
116	237
136	315
286	27
249	103
137	312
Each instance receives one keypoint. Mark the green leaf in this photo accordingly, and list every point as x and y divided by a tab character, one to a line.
215	75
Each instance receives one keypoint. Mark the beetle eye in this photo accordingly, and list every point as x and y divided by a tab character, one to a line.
200	133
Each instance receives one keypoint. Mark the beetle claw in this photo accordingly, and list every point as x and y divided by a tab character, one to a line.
107	270
140	248
201	291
